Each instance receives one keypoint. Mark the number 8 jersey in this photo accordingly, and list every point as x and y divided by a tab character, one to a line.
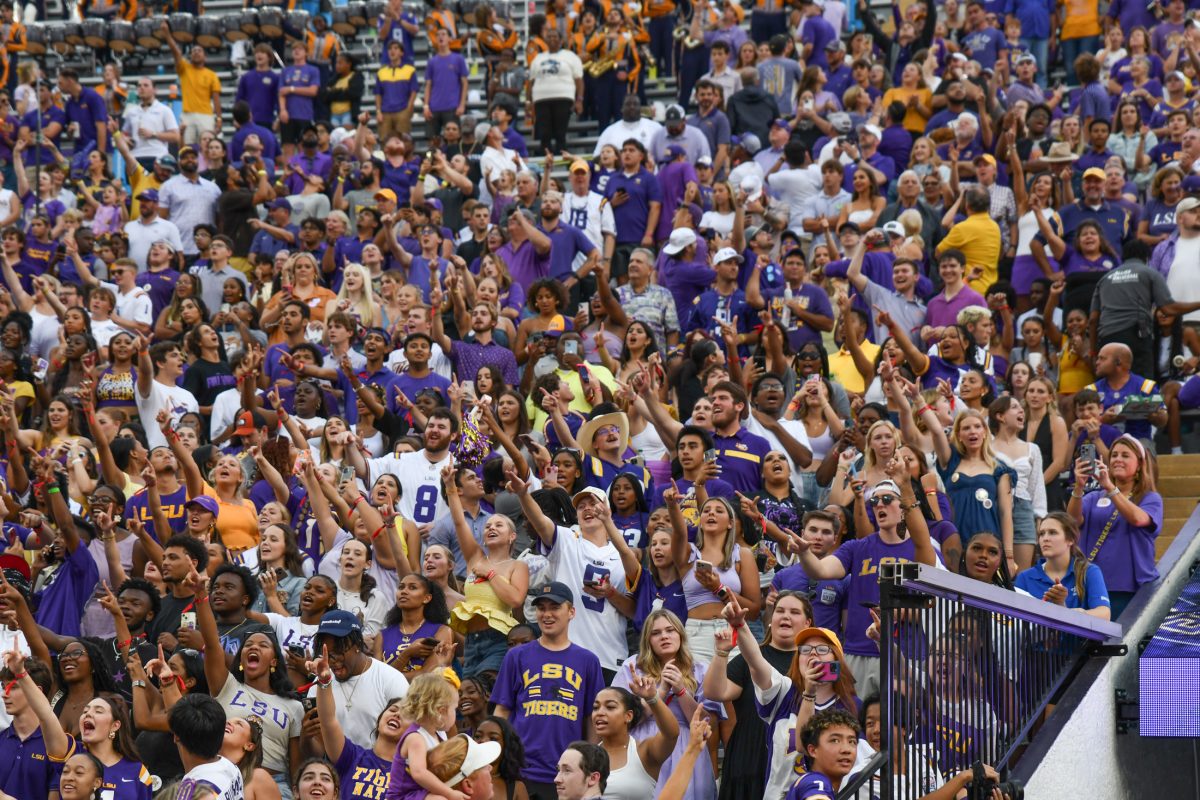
597	625
420	483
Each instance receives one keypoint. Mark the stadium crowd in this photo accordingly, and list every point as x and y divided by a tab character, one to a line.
335	466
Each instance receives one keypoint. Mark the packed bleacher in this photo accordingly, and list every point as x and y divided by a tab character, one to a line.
466	400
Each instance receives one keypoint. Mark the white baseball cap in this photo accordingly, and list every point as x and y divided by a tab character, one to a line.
479	755
681	238
727	254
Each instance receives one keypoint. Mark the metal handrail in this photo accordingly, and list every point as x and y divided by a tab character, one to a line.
951	586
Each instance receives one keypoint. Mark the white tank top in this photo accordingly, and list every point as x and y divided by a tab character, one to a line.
630	782
1027	229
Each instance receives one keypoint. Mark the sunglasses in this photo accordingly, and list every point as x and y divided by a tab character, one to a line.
808	355
882	500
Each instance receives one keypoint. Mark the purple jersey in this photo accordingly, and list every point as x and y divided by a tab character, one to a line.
160	286
549	695
861	559
812	786
828	598
69	588
172	505
1135	385
361	772
126	780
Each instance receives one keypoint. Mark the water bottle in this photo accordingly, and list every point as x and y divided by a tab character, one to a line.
785	316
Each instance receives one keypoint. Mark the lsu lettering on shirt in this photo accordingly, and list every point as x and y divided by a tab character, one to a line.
549	694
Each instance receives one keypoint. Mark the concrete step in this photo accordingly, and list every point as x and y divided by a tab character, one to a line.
1171	528
1178	485
1178	506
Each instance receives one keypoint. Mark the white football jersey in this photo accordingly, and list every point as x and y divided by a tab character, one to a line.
597	625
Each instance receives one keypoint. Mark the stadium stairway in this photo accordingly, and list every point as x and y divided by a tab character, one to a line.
1179	485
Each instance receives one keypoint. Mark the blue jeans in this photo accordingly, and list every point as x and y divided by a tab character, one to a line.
1072	49
1040	50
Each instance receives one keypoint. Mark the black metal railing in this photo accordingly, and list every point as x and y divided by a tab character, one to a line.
969	671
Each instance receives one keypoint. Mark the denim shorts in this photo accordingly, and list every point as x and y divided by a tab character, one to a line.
1023	524
484	651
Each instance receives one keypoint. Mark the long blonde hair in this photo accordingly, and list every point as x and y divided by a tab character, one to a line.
651	664
731	536
869	456
986	452
1051	404
363	306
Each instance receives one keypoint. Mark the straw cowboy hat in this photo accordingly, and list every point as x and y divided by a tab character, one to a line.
1060	153
587	431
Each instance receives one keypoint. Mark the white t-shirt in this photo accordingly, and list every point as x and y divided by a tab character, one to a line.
11	640
1182	276
142	236
103	332
722	223
643	130
553	75
794	186
597	625
45	334
135	304
371	611
280	719
386	580
222	776
291	632
175	399
420	483
361	699
225	408
797	431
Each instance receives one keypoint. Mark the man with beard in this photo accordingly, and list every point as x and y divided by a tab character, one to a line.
480	347
419	473
309	162
768	403
188	200
364	196
371	684
182	554
567	244
739	451
150	227
676	131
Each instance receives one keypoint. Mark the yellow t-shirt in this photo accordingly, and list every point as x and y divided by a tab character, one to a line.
142	181
914	121
1080	18
198	86
842	369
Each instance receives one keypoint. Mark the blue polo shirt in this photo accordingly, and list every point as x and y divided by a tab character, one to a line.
1035	581
264	242
1112	219
601	474
740	458
25	769
382	377
632	216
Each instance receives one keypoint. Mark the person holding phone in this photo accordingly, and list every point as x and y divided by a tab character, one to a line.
819	679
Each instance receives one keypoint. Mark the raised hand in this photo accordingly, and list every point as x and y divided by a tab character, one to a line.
733	613
671	496
642	685
319	666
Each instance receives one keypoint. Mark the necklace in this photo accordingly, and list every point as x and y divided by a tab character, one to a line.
348	699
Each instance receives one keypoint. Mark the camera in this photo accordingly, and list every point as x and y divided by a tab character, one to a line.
980	788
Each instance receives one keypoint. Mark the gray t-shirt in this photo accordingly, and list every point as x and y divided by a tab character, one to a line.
1127	294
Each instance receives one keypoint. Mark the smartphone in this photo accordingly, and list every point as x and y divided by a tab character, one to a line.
830	671
308	703
345	474
429	641
584	375
536	337
760	361
710	454
297	651
571	348
703	566
188	620
1087	451
525	439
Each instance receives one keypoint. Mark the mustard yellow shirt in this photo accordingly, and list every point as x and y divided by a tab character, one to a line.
978	237
198	86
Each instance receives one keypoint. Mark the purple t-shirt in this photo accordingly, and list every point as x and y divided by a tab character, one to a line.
299	107
673	179
126	780
525	263
69	589
630	218
361	772
817	32
566	241
861	559
260	90
828	597
812	298
172	505
445	75
160	286
549	695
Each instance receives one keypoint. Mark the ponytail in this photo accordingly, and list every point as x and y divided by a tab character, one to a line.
1081	566
368	585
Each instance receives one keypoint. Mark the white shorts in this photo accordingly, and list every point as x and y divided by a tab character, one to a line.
195	124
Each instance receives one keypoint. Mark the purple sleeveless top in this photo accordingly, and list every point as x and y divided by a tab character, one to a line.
402	785
394	640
